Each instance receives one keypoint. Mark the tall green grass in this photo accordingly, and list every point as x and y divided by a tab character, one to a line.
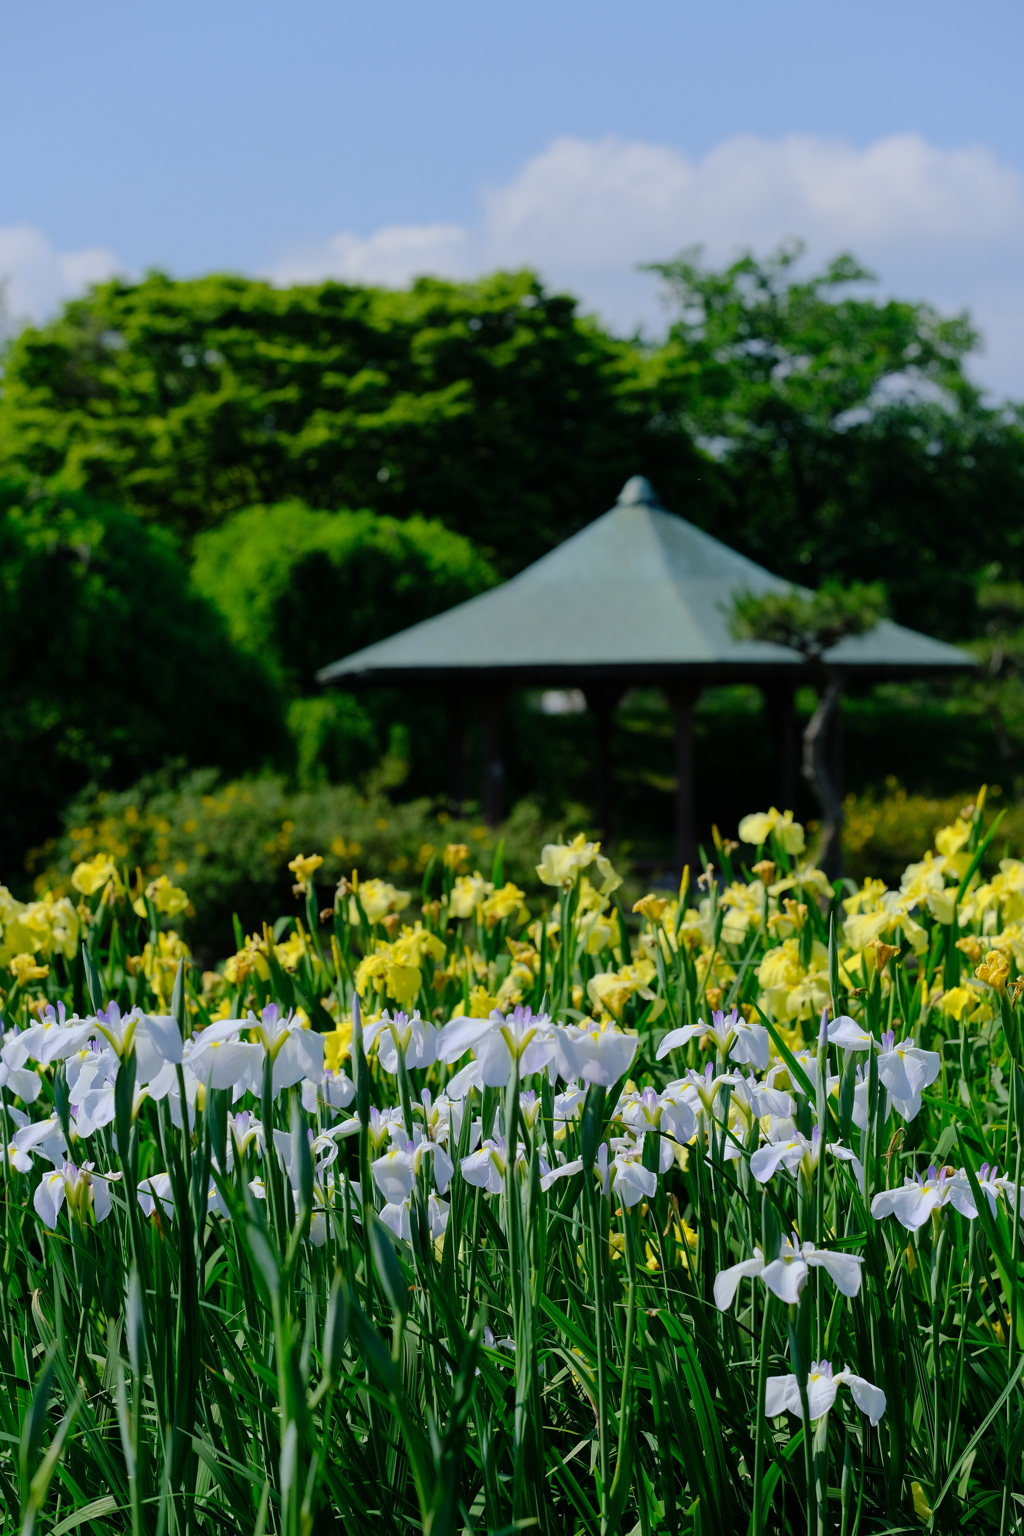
263	1353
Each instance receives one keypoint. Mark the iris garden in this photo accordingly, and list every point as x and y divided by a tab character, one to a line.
460	1212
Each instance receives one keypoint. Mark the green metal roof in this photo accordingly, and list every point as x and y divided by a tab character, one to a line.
638	594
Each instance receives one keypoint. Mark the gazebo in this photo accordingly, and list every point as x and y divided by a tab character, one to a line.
639	597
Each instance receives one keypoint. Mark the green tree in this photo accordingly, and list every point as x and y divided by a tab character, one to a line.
110	666
811	623
999	686
299	589
821	431
826	434
843	435
491	406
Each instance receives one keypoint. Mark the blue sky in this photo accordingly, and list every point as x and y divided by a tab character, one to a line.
375	140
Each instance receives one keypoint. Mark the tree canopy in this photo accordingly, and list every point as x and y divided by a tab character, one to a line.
847	439
110	665
491	406
809	623
823	432
300	588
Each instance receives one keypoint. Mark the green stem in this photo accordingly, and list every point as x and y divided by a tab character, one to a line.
761	1423
800	1371
597	1264
936	1364
845	1489
519	1294
1017	1084
820	1456
627	1359
474	1248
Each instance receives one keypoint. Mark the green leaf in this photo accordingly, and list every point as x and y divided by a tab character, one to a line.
796	1071
36	1418
264	1259
387	1266
93	984
105	1505
978	1434
178	997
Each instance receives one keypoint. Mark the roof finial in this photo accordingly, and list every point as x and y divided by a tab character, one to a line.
638	492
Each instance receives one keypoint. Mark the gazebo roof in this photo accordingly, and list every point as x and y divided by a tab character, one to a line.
638	594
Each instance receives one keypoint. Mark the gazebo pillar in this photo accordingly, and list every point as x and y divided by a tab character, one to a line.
602	702
681	699
778	698
492	788
457	704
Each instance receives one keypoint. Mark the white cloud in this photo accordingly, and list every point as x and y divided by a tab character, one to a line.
36	277
942	224
391	256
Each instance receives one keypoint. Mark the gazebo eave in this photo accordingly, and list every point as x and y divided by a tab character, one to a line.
632	674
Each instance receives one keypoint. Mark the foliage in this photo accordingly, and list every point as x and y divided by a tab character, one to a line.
811	623
848	439
109	665
935	738
824	433
292	1281
301	588
230	843
336	739
236	874
883	829
999	686
1002	603
489	406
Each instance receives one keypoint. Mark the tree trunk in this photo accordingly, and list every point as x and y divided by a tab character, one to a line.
815	771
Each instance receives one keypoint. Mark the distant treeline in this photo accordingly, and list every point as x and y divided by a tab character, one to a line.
334	462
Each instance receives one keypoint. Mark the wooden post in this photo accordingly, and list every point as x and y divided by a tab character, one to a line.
837	750
681	699
602	702
778	698
493	785
458	723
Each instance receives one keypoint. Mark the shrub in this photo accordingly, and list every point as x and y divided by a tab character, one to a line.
883	833
110	666
300	588
229	843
